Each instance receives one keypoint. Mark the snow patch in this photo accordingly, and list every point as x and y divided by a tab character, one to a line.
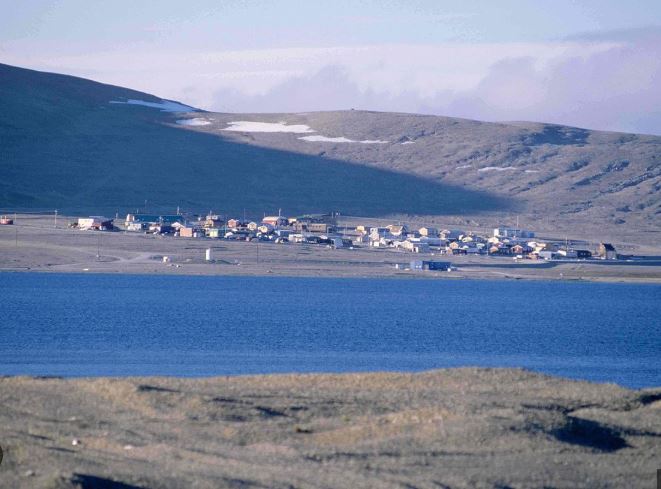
497	168
531	171
252	126
408	142
164	105
325	139
193	122
317	138
461	167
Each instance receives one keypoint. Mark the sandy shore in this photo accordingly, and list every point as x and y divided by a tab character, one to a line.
36	244
456	428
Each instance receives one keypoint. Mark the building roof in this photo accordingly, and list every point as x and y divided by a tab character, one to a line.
155	217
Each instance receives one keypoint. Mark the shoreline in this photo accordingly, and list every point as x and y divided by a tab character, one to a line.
423	275
302	375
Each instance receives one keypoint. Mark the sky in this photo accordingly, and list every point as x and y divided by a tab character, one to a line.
594	64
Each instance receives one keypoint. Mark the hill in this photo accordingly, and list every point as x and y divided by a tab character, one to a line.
66	145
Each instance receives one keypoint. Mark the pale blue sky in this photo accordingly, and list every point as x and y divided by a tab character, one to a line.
258	24
427	56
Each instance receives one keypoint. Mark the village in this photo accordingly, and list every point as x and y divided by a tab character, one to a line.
324	230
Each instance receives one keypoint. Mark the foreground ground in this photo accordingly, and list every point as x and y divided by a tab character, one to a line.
455	428
38	243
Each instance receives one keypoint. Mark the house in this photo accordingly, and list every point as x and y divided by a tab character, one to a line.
427	231
153	218
378	232
339	242
313	227
416	246
437	265
433	241
606	251
547	255
452	234
583	254
500	250
137	226
236	223
519	249
97	223
215	232
213	221
420	248
265	229
430	265
296	238
503	232
190	231
308	219
275	221
397	230
158	228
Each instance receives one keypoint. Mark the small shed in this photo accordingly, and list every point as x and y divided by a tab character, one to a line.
606	251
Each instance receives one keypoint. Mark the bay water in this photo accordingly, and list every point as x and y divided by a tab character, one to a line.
120	325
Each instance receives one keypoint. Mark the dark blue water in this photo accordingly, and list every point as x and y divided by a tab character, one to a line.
89	325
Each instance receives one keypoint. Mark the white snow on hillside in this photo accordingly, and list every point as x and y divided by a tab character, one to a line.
251	126
325	139
497	168
164	105
341	139
193	122
461	167
408	142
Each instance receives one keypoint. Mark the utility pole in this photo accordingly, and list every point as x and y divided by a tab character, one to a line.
55	223
98	247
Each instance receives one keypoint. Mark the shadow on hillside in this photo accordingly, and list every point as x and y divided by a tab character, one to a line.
114	158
